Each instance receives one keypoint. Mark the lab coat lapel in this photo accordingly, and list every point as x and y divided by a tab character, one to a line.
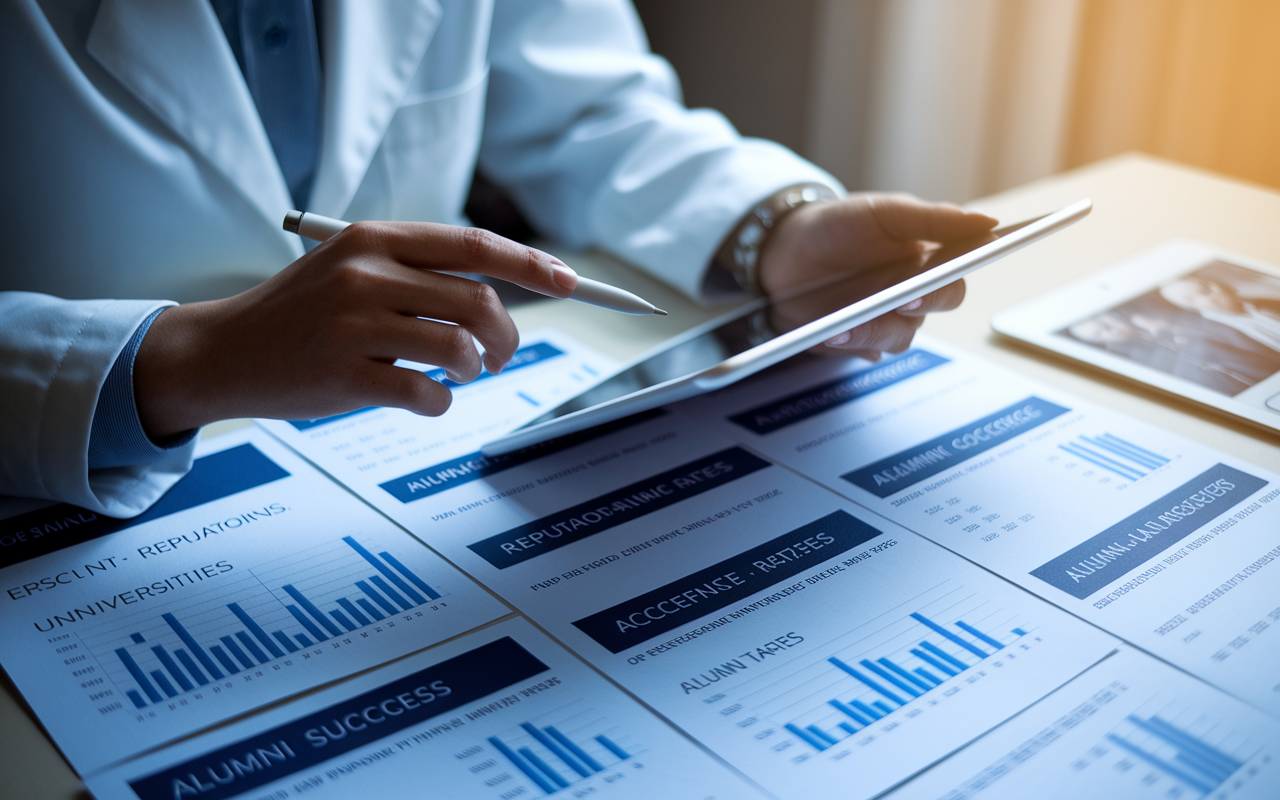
372	48
173	56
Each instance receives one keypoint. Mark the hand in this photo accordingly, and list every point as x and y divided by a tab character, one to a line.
322	335
879	239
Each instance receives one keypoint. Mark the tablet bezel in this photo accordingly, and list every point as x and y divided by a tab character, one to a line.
784	345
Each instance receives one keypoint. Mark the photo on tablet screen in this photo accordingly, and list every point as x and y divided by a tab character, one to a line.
1217	326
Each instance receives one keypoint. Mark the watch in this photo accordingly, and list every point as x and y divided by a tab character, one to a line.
739	254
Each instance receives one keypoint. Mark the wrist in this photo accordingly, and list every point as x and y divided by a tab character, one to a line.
740	252
167	391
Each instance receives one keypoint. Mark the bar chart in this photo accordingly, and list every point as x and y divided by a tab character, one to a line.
283	608
554	752
1110	453
882	673
1172	752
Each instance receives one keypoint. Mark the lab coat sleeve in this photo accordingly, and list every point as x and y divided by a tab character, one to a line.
586	129
54	356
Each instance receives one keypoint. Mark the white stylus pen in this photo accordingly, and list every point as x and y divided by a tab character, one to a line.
314	226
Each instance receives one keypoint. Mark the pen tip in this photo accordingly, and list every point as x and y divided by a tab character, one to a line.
659	312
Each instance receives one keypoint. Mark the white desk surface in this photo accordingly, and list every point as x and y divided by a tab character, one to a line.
1139	201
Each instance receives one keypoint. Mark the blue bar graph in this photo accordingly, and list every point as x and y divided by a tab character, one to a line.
553	761
1177	753
186	661
1115	455
884	684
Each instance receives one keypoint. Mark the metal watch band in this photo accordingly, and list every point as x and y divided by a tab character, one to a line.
739	254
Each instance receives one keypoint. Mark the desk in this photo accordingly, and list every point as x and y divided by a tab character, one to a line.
1139	202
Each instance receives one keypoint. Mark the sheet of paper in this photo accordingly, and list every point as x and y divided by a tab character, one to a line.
1164	542
817	647
394	458
503	713
1131	727
254	578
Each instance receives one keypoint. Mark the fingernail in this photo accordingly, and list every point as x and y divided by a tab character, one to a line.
564	277
913	305
838	339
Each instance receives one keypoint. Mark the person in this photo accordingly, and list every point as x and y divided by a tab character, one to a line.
152	149
1255	317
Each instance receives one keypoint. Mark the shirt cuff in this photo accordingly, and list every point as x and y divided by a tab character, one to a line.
116	438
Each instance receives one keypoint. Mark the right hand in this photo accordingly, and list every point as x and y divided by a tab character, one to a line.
321	337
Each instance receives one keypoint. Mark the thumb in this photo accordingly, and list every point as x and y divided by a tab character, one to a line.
907	218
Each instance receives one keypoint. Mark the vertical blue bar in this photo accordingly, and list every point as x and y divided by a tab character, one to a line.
284	640
847	728
408	573
369	609
928	676
306	623
972	631
163	683
138	702
866	709
343	620
163	656
189	664
190	642
386	589
350	608
865	680
555	748
253	648
1161	764
312	610
224	659
383	602
303	640
1020	631
1080	452
1130	446
1185	741
568	744
849	712
807	738
528	771
543	767
138	675
1104	460
821	735
881	672
256	630
941	631
934	662
236	652
1123	449
945	656
385	570
608	744
884	708
902	673
1213	773
137	638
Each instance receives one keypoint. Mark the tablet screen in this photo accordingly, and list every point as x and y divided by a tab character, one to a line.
757	323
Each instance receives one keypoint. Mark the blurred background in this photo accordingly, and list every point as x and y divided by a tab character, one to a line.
957	99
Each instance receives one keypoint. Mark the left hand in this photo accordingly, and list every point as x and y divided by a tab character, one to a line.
883	238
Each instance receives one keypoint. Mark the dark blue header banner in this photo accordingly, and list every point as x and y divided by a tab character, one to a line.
1102	559
305	742
473	466
212	477
684	601
907	468
523	358
800	406
615	508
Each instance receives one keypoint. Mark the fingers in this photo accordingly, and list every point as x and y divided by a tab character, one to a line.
890	333
947	298
470	304
397	387
452	248
904	218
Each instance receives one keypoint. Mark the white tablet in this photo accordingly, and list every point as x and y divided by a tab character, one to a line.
764	332
1184	317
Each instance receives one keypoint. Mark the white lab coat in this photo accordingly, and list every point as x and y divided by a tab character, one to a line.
136	166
